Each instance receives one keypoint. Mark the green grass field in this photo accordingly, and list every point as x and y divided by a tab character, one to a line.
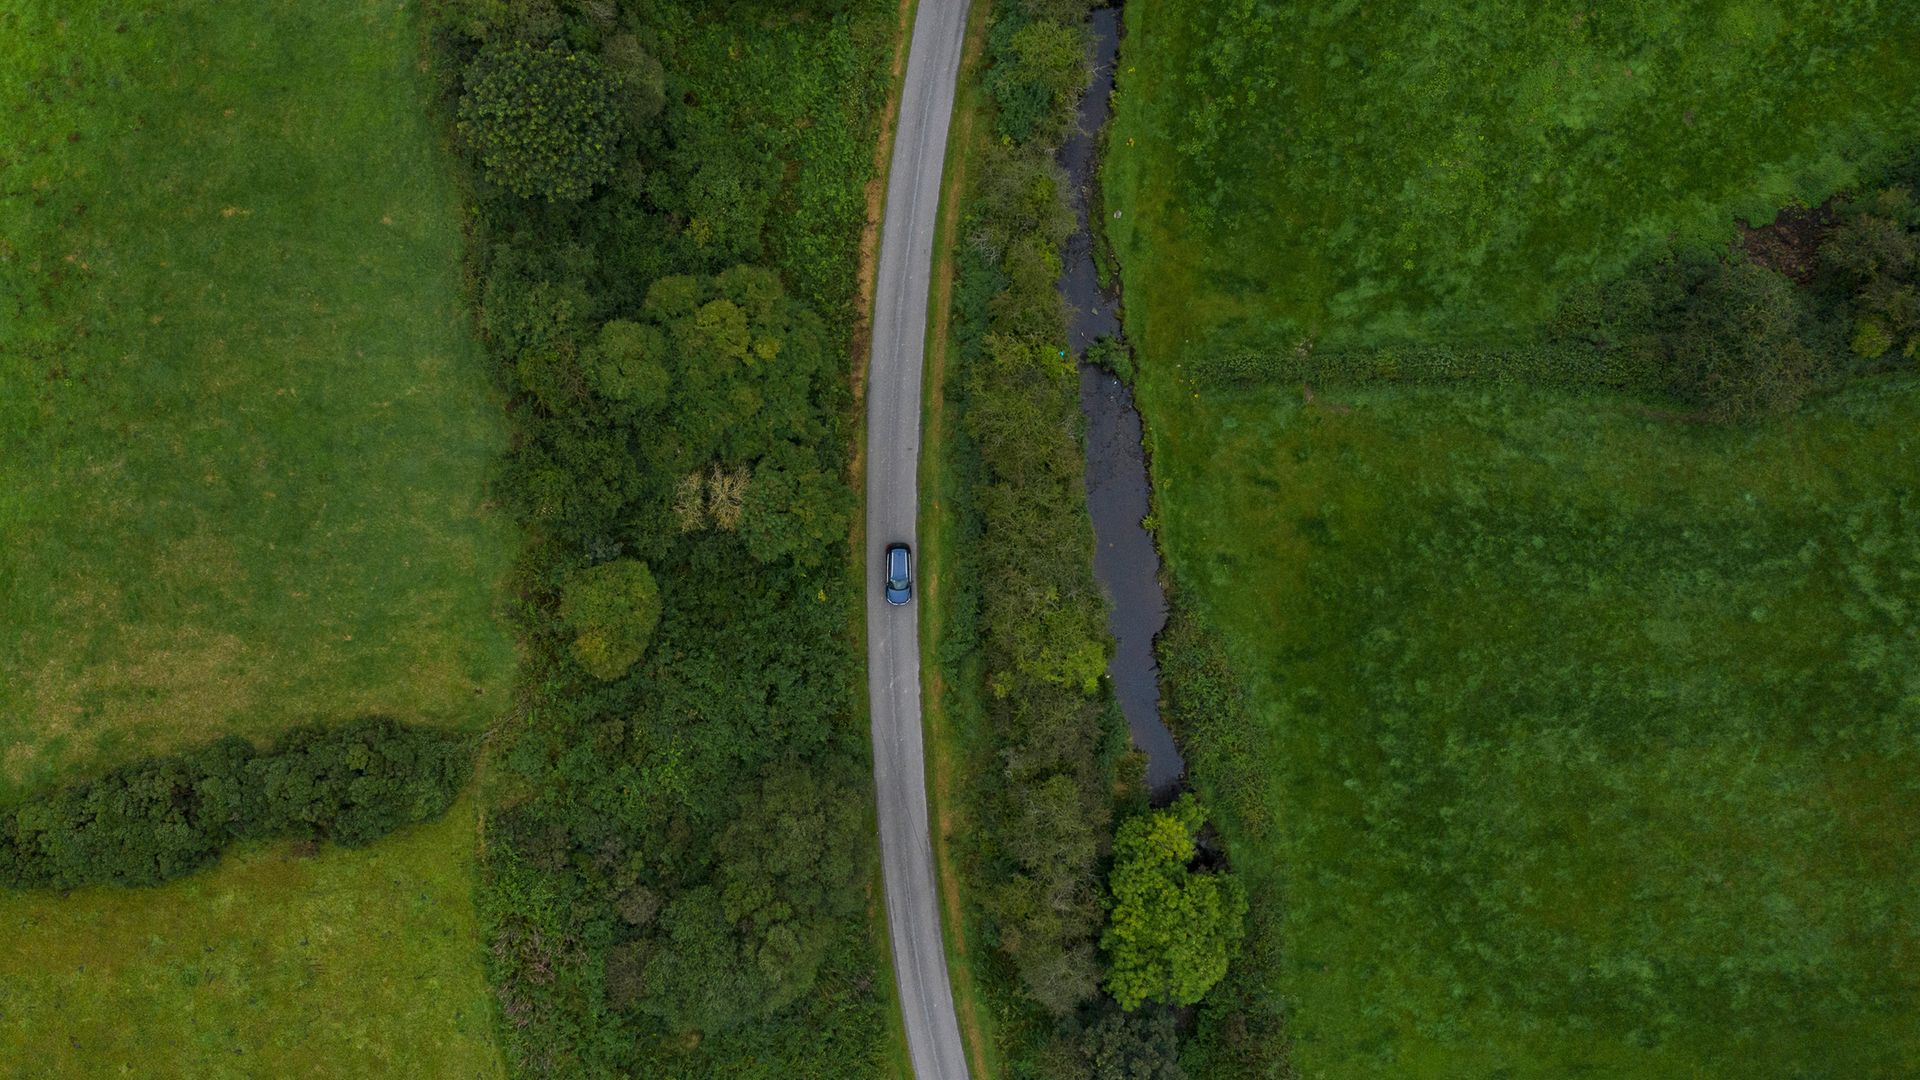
1589	741
276	963
1431	168
1584	741
244	430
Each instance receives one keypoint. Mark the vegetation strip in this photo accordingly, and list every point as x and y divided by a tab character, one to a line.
1029	729
679	825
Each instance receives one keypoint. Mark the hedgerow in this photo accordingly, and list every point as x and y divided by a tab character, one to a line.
157	819
1722	337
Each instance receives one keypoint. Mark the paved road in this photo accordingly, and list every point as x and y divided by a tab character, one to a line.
893	458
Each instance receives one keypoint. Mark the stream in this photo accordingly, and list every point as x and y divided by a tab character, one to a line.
1124	558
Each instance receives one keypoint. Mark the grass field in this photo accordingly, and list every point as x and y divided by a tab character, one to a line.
1589	740
244	436
244	431
275	963
1584	741
1430	168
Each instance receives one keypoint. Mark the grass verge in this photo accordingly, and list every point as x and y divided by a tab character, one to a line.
952	765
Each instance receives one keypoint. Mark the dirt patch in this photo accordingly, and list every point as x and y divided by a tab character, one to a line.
1791	245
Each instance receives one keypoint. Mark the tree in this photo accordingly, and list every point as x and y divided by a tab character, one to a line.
749	371
639	79
612	609
1109	1044
543	120
791	869
697	978
1171	929
1737	346
794	513
1876	251
628	366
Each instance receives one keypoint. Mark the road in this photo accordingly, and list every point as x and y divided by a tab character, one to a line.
893	461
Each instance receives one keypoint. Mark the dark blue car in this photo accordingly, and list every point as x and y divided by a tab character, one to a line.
899	574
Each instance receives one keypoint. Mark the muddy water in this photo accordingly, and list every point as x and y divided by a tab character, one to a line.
1124	559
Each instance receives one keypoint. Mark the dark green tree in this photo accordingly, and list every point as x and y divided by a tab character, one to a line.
543	121
628	366
794	512
1108	1043
791	869
1737	349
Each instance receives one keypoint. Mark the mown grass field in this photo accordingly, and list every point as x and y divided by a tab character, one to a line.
1434	169
244	430
275	963
1583	739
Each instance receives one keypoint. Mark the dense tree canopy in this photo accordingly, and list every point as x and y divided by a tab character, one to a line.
791	866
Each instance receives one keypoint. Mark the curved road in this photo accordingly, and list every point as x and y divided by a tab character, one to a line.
893	461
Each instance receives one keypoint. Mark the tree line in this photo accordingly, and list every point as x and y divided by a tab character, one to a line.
1723	337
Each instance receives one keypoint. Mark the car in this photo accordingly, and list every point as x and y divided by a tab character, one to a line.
899	574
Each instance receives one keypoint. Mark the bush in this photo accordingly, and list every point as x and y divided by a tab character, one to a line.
1039	68
543	120
1875	252
612	610
158	819
1112	1044
1115	356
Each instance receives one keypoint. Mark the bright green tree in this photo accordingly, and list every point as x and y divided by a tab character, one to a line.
1171	929
612	609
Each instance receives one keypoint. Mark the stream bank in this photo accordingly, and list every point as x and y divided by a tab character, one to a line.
1118	496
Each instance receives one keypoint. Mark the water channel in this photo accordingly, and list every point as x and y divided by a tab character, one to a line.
1124	557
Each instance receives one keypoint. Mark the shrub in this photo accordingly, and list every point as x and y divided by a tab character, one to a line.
158	819
1875	252
1115	356
1039	68
612	610
543	120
